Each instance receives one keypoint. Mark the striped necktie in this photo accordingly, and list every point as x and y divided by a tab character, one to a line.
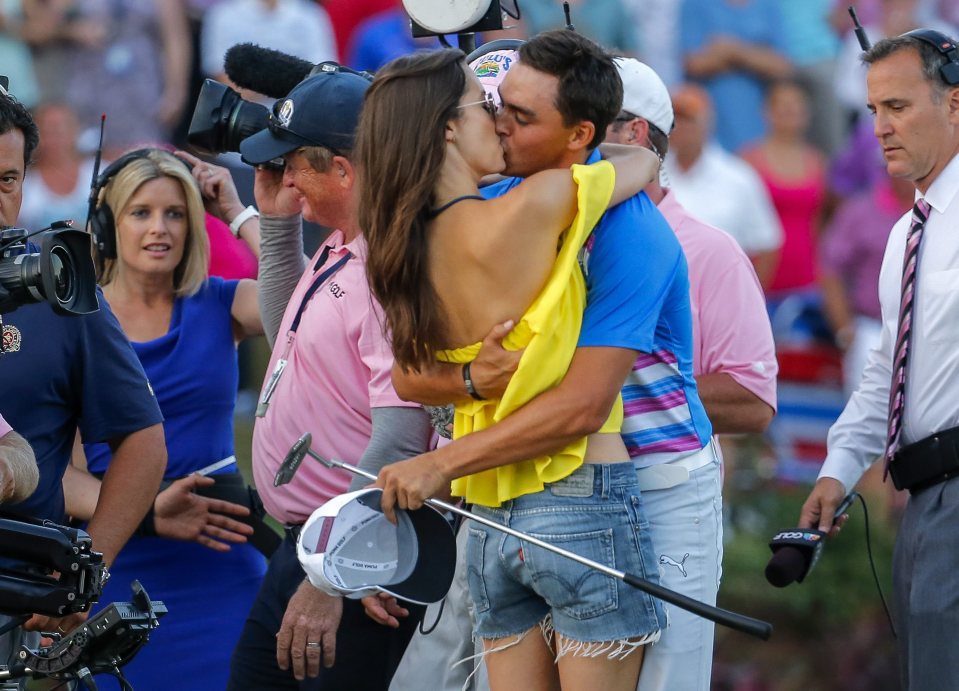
897	390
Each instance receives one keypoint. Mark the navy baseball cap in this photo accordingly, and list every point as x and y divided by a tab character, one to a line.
322	110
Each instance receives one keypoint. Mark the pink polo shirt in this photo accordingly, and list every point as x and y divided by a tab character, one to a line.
731	331
4	427
338	369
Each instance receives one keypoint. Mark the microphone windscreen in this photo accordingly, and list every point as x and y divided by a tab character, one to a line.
264	70
786	566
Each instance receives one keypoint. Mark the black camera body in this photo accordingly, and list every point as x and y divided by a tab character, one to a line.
222	118
51	570
61	273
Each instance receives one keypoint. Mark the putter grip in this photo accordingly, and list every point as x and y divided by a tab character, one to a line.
740	622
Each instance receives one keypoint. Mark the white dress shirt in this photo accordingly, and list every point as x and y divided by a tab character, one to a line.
932	377
724	191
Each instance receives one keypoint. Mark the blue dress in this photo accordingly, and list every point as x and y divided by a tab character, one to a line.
193	371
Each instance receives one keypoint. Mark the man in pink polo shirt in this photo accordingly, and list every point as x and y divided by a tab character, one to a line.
735	367
329	375
18	467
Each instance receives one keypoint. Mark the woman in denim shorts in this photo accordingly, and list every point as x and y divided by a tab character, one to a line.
437	265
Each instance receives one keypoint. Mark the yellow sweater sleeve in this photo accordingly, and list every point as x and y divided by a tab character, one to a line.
549	331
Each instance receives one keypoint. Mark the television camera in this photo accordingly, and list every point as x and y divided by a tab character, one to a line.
53	570
61	273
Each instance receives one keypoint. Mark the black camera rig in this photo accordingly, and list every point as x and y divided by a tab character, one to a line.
52	570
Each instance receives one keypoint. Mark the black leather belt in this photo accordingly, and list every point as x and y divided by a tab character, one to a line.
927	462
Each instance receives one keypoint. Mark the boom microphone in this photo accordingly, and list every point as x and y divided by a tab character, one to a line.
796	551
264	70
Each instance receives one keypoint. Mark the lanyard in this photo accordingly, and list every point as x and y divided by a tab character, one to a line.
318	281
274	379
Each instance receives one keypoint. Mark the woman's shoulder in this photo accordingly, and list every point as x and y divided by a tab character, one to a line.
214	294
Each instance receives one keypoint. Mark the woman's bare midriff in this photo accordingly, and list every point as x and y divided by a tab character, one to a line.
607	447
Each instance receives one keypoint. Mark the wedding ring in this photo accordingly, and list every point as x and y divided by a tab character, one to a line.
314	645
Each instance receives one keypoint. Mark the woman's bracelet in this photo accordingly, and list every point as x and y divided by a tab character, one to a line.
241	218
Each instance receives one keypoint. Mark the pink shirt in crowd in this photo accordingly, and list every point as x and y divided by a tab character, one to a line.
731	331
338	369
4	427
229	256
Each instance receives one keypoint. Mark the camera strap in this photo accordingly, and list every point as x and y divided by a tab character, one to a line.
321	279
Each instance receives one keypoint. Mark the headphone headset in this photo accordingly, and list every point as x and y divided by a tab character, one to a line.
102	223
947	47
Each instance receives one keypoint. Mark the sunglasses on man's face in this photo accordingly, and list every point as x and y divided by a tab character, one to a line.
488	103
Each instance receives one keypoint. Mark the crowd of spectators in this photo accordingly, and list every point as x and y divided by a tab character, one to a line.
774	84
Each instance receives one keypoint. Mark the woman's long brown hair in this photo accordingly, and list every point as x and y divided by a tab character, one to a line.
400	146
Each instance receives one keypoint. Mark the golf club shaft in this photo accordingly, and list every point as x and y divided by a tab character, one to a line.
739	622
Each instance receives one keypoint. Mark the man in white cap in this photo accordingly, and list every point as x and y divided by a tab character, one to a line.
735	368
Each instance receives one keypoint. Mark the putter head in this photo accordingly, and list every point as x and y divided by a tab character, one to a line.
293	460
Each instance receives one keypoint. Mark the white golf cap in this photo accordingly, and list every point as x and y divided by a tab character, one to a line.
348	547
645	94
492	67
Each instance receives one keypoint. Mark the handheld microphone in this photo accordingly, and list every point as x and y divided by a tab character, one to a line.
264	70
796	551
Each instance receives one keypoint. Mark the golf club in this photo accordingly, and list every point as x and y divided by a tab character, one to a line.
739	622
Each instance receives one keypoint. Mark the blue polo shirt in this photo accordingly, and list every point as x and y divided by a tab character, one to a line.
637	297
61	373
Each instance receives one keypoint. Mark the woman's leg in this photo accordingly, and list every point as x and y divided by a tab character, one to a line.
579	673
523	662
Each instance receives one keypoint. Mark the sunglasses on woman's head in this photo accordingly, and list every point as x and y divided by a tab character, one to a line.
488	103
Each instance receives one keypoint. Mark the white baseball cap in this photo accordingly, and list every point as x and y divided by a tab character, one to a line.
490	68
348	547
645	94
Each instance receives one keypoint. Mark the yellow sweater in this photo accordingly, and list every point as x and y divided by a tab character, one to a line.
548	331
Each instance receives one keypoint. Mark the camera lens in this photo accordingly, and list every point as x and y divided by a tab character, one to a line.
62	276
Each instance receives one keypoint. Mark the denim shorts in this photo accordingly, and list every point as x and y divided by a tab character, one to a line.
597	513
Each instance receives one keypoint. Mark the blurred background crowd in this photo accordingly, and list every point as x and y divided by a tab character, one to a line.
772	143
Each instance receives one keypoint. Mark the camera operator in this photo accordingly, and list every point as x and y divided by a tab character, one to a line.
18	466
336	385
58	374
